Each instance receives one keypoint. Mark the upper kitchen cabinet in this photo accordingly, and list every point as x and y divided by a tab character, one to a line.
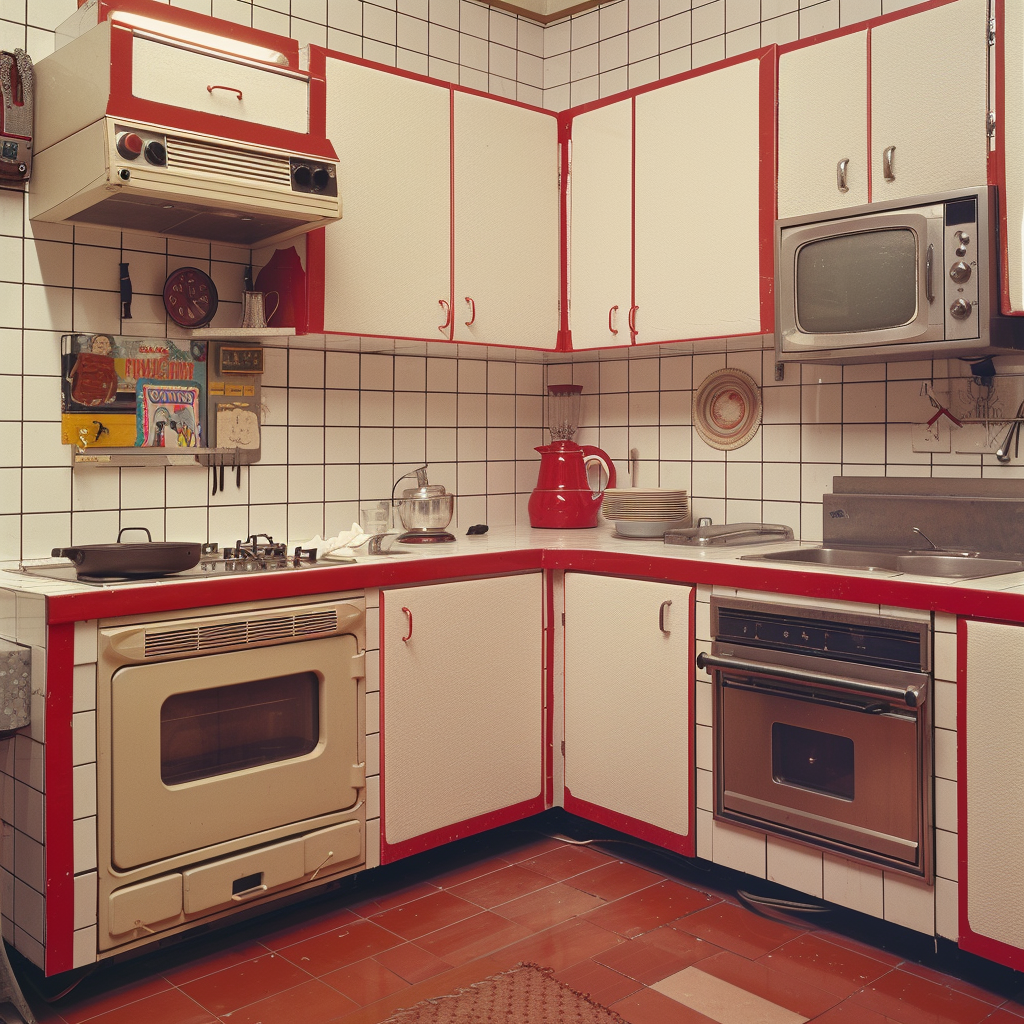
1010	148
671	203
629	706
506	223
892	112
450	213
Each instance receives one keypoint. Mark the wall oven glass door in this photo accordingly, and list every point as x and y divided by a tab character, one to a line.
212	748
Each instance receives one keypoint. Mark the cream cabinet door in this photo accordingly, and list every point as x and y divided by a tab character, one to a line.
462	706
628	712
506	224
388	260
601	226
1011	149
697	231
929	101
823	126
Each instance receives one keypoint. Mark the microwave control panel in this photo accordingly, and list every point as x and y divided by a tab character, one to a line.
959	271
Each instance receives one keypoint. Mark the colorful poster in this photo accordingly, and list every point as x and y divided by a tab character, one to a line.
167	414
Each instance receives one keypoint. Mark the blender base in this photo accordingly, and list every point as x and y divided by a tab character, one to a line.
424	538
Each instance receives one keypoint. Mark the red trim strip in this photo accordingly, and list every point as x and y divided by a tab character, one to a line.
60	837
631	319
767	187
451	212
549	690
380	716
564	343
997	162
867	37
316	278
691	682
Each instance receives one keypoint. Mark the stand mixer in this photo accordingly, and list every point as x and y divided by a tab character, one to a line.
563	498
425	510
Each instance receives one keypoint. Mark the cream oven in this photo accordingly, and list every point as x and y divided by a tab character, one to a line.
230	760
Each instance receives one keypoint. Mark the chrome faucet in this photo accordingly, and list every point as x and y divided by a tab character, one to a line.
921	533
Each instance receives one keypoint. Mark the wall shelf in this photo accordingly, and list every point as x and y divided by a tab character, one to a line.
240	333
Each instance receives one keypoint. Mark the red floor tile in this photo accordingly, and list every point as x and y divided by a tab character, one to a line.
913	1000
775	986
547	907
340	947
851	1013
476	936
1013	1007
388	901
168	1007
614	880
559	947
657	954
310	1003
412	963
365	982
825	965
531	849
83	1004
598	982
954	983
641	911
1003	1016
218	961
650	1007
566	861
412	920
737	929
309	925
859	947
500	886
450	879
244	983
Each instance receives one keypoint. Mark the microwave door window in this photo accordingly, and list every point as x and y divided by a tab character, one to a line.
861	282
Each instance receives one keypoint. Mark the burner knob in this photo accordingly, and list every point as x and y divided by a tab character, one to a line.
129	145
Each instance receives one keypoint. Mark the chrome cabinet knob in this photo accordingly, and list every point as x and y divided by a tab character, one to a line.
961	309
960	271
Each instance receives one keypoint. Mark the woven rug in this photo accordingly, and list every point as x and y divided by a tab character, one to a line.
527	994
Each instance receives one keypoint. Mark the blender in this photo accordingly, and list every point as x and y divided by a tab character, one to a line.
563	498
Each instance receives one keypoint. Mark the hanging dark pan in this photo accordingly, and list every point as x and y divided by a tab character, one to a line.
155	558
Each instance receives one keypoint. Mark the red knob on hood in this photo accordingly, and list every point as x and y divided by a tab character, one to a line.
129	145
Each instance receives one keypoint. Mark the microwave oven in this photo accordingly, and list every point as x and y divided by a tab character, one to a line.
893	280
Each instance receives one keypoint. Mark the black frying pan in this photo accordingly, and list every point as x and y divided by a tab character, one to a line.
157	558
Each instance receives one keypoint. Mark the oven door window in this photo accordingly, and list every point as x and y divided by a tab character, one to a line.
204	733
817	761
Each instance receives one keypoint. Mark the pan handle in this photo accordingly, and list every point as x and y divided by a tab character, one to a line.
128	529
75	554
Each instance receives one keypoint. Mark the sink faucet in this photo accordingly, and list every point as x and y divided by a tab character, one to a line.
921	533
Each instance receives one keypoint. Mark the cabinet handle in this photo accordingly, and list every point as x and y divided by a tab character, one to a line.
241	897
226	88
661	617
614	330
447	316
888	163
841	169
929	290
632	321
407	638
472	312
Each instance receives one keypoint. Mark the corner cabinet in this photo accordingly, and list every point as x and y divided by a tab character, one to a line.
629	759
670	208
858	111
462	710
990	775
450	212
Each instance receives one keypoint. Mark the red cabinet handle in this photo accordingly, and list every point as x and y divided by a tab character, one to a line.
610	328
226	88
447	316
406	639
472	312
632	320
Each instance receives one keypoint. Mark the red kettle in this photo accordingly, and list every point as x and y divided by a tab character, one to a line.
562	499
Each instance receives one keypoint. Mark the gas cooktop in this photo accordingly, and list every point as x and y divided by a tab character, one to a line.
258	554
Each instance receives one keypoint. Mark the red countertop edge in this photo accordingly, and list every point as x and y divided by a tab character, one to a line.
206	593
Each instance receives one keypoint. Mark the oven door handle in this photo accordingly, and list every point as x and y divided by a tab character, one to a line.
872	708
912	696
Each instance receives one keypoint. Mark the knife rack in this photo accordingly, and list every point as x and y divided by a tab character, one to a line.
233	405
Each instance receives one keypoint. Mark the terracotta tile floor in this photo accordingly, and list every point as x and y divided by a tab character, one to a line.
656	941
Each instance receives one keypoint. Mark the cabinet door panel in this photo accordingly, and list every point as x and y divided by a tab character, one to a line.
462	707
388	260
601	226
627	701
929	99
697	226
506	224
1011	132
823	119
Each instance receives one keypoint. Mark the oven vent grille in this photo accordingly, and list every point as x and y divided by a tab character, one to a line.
227	161
239	633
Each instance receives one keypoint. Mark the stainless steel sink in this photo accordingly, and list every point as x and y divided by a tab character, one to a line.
948	565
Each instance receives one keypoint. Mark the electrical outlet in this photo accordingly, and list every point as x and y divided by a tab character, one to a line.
934	438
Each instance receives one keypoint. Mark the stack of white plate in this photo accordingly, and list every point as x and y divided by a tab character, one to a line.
645	511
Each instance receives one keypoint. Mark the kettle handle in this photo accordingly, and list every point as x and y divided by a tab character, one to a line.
591	453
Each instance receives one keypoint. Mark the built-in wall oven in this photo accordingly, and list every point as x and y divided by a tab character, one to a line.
822	729
230	760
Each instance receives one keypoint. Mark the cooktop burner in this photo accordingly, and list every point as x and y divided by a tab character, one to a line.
259	553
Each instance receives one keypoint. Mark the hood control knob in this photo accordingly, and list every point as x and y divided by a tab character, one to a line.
128	145
960	271
156	153
961	309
